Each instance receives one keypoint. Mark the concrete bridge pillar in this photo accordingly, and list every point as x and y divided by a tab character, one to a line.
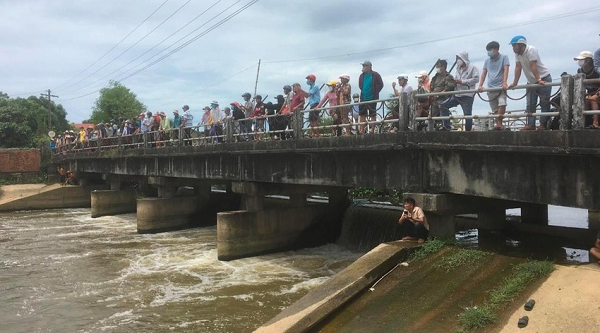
114	201
168	211
259	228
593	219
534	214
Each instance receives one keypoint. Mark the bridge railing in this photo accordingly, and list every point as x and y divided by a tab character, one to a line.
570	108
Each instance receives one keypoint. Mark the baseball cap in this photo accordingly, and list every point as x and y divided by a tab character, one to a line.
584	54
312	77
367	63
421	74
185	107
403	76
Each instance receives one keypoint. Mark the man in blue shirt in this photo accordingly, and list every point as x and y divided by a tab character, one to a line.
370	85
314	96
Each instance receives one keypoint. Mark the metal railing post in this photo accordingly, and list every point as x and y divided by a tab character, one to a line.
180	137
578	101
145	139
566	102
99	143
403	114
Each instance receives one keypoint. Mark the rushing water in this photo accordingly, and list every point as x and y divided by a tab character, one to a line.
61	271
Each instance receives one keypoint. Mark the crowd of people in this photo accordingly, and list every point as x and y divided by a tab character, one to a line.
252	113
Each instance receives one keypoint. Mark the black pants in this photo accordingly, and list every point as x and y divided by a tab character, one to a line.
416	230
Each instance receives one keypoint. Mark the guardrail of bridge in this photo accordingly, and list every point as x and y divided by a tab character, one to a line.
571	111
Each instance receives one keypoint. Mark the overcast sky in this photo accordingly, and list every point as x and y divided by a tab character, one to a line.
48	44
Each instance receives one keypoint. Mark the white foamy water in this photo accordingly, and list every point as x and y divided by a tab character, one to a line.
62	271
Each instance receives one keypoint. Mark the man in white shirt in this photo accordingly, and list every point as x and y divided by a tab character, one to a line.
403	86
187	122
528	59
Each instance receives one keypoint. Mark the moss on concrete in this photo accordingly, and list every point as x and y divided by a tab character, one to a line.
430	294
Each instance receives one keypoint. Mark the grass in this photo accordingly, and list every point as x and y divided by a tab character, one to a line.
523	275
461	257
476	317
427	249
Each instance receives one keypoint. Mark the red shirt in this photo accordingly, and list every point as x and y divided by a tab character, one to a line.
297	100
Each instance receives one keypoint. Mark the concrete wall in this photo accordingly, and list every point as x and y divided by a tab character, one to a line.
106	202
243	234
52	197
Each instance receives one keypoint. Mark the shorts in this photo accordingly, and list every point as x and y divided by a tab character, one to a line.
497	99
370	109
313	115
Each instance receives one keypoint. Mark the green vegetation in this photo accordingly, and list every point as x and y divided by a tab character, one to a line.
523	275
477	317
427	249
24	121
394	196
115	101
461	257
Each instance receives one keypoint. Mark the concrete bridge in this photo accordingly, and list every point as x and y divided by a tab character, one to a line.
454	172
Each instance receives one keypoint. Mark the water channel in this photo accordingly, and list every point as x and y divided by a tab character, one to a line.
61	271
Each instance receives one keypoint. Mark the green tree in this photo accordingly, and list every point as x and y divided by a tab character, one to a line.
23	121
116	101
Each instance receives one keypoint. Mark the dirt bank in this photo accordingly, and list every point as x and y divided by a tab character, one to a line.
568	301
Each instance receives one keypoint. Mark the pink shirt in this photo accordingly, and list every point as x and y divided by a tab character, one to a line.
331	96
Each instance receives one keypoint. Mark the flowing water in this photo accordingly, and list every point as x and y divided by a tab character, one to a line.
61	271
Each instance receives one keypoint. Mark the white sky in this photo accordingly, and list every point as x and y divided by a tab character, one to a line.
47	44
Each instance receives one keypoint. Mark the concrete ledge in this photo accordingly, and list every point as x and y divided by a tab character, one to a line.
325	299
51	197
108	202
159	215
242	234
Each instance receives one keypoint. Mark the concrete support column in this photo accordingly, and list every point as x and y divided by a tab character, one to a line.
114	183
593	219
108	202
166	192
297	200
166	214
258	229
492	219
534	214
253	203
441	225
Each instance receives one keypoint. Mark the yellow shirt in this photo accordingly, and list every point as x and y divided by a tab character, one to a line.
82	136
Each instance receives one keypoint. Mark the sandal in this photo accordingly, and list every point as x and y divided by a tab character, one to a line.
529	305
523	321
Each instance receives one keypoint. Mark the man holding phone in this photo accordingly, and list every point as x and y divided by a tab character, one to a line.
413	222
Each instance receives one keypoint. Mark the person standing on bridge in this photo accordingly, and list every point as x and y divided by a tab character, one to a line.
592	95
413	222
345	97
528	60
442	81
370	85
467	77
314	96
496	69
186	123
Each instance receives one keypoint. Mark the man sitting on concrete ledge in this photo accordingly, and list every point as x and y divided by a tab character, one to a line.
595	251
414	222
